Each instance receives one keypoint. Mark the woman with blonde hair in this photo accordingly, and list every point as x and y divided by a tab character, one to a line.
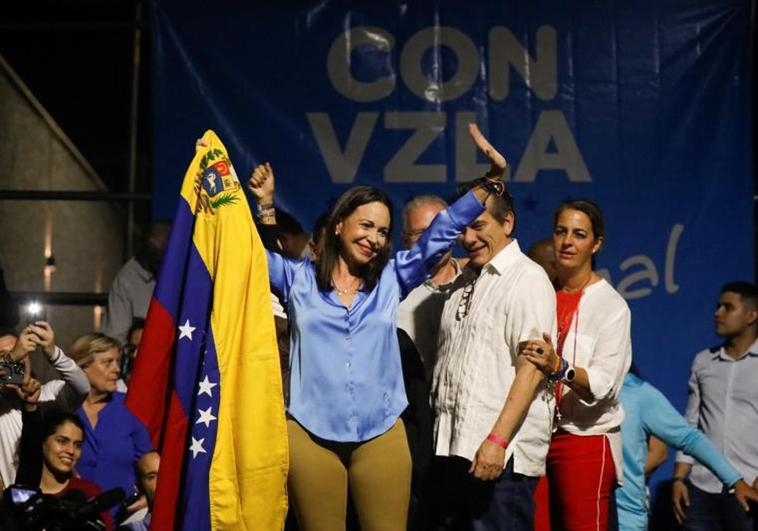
114	439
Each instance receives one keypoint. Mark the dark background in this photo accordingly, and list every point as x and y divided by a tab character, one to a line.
77	57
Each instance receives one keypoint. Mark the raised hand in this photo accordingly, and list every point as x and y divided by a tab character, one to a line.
261	183
497	161
26	343
45	336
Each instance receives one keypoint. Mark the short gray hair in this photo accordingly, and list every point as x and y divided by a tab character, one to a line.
418	201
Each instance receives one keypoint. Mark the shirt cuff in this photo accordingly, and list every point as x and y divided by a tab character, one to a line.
56	357
464	210
600	385
681	457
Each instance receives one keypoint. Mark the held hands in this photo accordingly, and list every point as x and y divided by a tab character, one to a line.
488	462
261	183
541	354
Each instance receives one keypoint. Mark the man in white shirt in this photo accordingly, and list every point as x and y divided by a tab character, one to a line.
419	313
493	410
67	393
722	403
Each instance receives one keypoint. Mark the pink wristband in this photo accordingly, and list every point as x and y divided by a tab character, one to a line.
497	440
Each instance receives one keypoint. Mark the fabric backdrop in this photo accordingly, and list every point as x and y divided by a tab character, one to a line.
643	107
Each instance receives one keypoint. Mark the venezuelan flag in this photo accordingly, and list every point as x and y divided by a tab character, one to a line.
207	382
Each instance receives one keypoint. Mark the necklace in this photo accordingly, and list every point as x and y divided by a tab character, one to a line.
349	290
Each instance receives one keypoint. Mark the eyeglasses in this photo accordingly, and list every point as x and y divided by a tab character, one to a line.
466	298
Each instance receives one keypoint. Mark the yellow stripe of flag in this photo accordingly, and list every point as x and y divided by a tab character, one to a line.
247	484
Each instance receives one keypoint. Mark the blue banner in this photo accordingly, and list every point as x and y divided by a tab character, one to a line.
643	107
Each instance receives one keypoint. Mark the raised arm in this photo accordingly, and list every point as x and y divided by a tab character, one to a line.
414	265
281	270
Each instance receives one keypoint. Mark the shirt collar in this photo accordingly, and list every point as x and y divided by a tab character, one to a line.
504	259
751	351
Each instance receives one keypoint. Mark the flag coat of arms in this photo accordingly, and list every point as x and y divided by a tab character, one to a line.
207	380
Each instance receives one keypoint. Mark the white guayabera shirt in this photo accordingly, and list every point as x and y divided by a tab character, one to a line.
511	301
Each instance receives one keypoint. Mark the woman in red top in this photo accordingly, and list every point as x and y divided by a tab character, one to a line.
586	364
61	436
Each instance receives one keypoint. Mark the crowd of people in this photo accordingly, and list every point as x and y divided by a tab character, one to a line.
427	392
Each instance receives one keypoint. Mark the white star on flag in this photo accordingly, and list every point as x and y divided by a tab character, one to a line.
206	387
206	417
186	330
197	447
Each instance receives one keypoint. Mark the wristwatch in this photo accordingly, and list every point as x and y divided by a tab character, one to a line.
569	375
561	372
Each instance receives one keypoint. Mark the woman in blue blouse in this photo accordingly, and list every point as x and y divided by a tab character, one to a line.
346	385
114	439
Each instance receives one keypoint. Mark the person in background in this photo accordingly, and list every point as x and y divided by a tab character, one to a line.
317	236
543	252
50	450
587	365
132	289
344	427
66	393
293	240
649	413
115	439
722	402
420	312
129	352
147	482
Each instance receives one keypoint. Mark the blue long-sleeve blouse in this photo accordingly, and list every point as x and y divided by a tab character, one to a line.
346	381
648	412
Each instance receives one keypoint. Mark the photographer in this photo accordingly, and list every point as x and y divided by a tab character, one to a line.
66	393
50	449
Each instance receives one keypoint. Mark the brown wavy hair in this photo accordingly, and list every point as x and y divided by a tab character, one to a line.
346	205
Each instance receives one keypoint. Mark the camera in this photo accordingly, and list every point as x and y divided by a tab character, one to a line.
11	372
26	509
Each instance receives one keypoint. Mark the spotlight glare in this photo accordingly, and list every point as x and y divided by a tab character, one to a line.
33	308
